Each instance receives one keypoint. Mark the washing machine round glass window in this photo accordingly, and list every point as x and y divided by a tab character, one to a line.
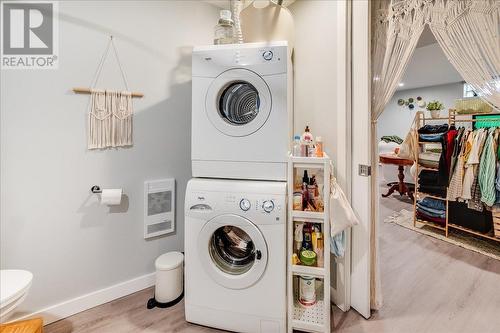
239	103
232	250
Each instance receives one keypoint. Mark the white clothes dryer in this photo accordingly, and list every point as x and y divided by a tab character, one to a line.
241	111
235	267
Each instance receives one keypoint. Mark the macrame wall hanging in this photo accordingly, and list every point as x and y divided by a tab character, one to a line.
110	111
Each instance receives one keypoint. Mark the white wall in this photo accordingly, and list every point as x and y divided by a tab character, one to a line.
315	70
397	120
50	224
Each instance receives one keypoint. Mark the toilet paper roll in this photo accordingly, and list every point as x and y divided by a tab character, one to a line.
111	196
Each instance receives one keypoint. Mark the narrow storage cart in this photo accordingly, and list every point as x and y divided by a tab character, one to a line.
308	274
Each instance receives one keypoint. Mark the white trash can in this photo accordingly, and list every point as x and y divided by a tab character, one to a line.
169	280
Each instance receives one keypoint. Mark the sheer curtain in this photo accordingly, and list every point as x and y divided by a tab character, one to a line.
396	28
468	33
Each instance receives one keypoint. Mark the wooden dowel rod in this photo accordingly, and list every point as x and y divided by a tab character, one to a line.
88	91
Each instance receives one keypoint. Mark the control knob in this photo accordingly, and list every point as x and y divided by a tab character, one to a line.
245	204
268	206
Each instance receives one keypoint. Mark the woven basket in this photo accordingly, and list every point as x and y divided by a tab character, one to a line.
472	105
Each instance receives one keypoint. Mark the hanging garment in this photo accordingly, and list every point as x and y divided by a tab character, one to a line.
471	164
456	152
447	143
487	168
475	201
409	148
456	182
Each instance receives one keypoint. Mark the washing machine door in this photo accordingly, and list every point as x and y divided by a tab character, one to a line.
238	102
232	251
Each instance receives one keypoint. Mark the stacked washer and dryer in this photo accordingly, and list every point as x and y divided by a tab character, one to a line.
235	225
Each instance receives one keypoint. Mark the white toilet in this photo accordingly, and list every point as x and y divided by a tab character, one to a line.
14	286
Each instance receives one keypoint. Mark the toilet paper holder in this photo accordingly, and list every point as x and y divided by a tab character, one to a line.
95	189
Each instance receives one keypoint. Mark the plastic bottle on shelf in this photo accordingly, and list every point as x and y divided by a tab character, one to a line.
296	146
307	137
298	237
307	140
224	30
320	257
307	242
319	146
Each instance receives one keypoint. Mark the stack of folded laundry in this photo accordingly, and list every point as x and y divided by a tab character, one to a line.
428	183
433	210
432	133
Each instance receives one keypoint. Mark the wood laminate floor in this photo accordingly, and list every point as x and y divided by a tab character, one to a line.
428	286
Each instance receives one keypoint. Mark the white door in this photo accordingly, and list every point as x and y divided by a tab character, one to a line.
361	155
238	102
232	251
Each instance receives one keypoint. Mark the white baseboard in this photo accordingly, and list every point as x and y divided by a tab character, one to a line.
73	306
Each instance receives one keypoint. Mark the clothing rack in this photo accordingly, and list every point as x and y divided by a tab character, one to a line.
452	119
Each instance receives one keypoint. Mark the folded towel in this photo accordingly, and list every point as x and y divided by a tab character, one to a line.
392	138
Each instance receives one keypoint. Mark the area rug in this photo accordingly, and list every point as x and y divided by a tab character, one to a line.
489	248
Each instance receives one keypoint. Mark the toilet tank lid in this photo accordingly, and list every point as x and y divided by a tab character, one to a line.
13	284
169	261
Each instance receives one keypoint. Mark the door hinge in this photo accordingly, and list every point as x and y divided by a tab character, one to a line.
364	170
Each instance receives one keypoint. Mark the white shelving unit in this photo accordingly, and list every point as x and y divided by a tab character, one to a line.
315	318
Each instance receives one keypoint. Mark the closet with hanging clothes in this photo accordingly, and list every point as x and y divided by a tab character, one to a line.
458	175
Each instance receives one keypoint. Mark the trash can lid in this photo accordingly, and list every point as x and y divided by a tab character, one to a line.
169	261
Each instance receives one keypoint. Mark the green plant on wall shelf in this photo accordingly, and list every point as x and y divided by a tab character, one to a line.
435	107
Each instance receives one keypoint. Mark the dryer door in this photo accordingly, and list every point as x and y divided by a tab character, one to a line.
238	102
233	251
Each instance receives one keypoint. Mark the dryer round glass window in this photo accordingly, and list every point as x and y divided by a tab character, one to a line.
232	250
239	103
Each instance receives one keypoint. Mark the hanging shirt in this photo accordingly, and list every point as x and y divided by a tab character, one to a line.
487	168
471	163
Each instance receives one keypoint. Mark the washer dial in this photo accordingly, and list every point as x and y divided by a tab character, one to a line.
267	55
245	204
268	206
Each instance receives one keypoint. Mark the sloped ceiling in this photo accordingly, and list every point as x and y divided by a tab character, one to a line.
429	65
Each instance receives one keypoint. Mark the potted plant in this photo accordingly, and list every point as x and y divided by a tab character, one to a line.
435	107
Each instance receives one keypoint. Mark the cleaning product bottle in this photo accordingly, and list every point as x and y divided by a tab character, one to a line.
319	146
224	30
296	146
307	141
307	136
305	192
307	241
320	256
298	237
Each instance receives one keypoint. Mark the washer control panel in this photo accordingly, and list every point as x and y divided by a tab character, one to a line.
259	205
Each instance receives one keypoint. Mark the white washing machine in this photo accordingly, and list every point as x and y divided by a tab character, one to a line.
241	111
235	255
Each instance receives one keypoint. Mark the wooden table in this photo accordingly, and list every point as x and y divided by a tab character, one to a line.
402	187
